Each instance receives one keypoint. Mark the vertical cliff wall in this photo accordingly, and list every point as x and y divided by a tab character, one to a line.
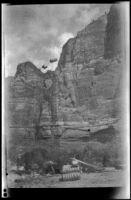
84	89
32	100
89	71
113	34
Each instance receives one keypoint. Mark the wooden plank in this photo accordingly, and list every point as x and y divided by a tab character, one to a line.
88	164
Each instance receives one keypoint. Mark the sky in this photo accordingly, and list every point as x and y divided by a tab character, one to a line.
37	33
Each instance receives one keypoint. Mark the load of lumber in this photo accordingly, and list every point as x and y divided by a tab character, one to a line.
87	164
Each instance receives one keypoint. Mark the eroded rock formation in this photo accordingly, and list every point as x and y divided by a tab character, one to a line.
89	77
84	91
33	99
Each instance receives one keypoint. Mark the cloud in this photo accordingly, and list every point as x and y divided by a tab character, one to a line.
87	16
64	37
38	32
56	50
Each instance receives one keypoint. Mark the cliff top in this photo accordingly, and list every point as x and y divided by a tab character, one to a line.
24	67
100	21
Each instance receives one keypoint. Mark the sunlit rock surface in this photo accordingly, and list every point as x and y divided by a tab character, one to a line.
85	87
89	79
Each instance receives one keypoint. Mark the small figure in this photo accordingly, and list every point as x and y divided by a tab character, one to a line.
44	67
53	60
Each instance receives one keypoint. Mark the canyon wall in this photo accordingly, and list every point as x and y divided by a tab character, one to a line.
85	86
89	72
32	99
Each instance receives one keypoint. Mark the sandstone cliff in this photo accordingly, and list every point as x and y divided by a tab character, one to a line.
89	72
32	99
86	83
114	31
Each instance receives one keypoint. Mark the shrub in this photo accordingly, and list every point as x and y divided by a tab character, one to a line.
94	152
35	156
107	154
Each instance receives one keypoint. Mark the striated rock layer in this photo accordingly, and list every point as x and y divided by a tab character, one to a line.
84	91
89	73
32	100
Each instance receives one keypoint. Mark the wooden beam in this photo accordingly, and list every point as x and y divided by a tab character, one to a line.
88	164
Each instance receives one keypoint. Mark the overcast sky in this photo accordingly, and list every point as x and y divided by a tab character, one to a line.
37	33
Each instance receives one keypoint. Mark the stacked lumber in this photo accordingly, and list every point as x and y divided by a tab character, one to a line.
70	173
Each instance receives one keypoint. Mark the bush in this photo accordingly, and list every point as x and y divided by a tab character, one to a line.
94	152
107	154
36	156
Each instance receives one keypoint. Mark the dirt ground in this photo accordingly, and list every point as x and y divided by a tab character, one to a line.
113	178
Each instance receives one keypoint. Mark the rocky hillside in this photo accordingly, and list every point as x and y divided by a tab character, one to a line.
85	87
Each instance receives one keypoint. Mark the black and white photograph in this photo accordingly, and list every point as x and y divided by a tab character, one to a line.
65	96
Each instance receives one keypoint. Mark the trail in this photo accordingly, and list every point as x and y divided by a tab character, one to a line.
113	178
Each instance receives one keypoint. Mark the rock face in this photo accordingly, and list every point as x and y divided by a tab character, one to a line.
84	91
89	72
33	98
86	46
113	34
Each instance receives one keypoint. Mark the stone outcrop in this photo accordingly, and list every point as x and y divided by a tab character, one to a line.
84	91
33	99
113	34
89	75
